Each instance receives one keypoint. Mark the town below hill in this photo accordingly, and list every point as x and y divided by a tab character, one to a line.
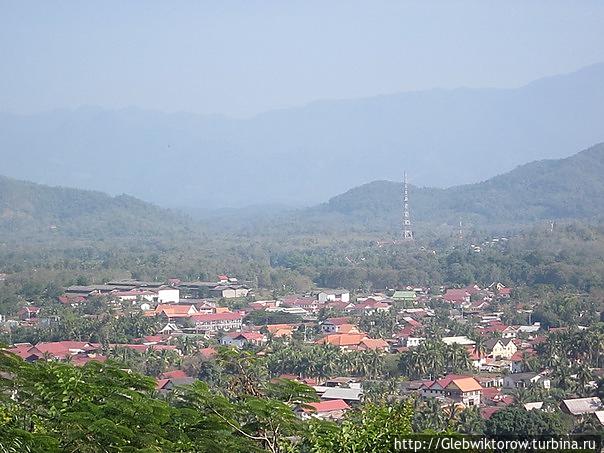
491	360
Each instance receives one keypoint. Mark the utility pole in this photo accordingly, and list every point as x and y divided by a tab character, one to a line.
407	231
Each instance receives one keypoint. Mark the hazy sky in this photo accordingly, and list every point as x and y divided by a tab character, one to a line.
242	57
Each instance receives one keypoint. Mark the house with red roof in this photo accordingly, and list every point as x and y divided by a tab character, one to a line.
165	385
83	358
309	304
26	351
78	352
72	300
64	349
176	374
499	328
264	304
325	410
457	296
518	360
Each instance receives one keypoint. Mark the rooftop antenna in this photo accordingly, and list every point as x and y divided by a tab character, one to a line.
460	230
407	231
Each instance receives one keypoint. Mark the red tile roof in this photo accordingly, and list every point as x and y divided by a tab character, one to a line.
161	383
487	412
68	299
176	374
328	406
250	336
83	359
61	349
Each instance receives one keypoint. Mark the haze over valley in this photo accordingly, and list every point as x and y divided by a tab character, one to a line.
303	156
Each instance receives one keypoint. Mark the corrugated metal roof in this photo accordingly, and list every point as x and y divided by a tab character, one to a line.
580	406
338	393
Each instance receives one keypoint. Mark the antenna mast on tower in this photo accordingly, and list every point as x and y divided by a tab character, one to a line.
407	232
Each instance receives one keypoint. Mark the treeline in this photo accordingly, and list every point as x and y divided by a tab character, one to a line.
565	256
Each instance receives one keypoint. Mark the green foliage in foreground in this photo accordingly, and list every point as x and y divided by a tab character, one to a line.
56	407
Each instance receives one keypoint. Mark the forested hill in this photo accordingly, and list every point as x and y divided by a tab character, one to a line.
29	208
571	188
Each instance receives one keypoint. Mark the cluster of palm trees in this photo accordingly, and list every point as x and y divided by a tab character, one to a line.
323	361
151	362
431	415
434	358
102	327
571	355
575	346
378	325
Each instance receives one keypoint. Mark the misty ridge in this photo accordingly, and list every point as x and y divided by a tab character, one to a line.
304	156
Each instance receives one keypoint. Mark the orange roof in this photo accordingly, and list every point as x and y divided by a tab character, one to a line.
272	328
342	339
169	309
348	328
283	333
467	384
371	343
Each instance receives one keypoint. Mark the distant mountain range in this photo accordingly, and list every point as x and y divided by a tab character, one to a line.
305	155
32	209
570	188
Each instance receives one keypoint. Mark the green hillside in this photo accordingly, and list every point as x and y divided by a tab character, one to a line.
34	209
571	188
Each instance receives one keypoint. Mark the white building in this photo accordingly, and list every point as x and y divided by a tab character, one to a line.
217	321
334	296
167	295
462	340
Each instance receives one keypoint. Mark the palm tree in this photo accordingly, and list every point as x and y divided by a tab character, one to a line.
452	413
430	416
470	421
584	377
480	348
